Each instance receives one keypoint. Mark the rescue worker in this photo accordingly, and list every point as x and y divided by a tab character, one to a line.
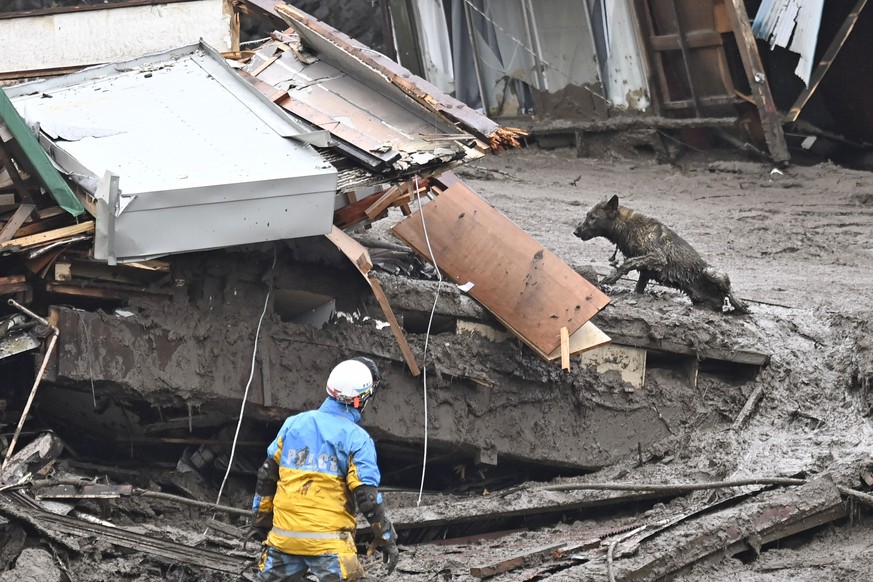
303	499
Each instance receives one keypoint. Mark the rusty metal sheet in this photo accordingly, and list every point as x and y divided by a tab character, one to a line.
359	112
525	285
366	61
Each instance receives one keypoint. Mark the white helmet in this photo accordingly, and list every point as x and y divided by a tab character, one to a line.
353	382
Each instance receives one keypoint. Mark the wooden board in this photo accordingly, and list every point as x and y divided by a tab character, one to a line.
49	236
771	119
10	228
587	337
359	255
525	285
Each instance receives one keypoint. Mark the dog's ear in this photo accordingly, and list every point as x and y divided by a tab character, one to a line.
613	203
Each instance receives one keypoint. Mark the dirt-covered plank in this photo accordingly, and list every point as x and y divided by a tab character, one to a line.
767	517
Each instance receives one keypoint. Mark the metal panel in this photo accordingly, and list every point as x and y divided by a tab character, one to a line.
793	25
201	160
624	75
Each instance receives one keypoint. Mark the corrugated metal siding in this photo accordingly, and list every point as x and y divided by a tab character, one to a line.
791	24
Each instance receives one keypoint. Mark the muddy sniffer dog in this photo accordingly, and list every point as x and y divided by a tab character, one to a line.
659	254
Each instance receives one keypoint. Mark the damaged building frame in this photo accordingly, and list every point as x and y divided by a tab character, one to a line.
204	228
768	77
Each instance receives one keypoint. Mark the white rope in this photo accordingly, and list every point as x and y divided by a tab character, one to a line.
427	336
248	384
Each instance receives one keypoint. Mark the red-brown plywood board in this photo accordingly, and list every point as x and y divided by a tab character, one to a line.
525	285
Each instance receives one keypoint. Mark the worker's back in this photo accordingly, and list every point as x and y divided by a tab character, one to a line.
322	455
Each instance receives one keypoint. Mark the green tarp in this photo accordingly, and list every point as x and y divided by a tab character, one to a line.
48	176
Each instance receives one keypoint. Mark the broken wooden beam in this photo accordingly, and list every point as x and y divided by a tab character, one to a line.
771	119
383	202
762	519
10	228
749	407
359	256
61	528
111	293
526	559
48	236
13	284
825	63
355	212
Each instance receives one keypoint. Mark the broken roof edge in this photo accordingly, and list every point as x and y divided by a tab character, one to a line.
271	114
424	93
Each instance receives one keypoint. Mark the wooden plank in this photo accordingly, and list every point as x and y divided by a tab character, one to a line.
360	257
768	517
395	327
12	284
771	120
49	236
587	337
17	181
518	561
352	249
354	213
44	224
10	228
383	202
565	349
265	64
825	63
104	292
527	287
13	288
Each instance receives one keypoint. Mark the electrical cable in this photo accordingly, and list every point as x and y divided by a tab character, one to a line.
249	383
426	336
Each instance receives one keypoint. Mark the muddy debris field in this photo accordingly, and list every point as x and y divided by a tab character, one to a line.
698	445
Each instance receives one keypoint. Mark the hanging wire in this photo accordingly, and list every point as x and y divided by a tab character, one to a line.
426	336
249	383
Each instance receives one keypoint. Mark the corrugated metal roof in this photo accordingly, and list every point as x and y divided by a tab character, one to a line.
791	24
398	133
202	160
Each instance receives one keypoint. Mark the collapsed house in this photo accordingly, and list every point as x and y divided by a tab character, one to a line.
203	231
779	82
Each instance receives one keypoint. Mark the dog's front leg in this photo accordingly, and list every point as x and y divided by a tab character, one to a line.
649	262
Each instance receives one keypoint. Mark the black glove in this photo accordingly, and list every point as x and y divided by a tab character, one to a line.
387	543
384	536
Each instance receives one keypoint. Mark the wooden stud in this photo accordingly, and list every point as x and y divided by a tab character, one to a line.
10	228
771	120
49	236
358	255
565	349
384	201
825	63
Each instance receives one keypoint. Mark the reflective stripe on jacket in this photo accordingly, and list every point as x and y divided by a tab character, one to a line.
323	456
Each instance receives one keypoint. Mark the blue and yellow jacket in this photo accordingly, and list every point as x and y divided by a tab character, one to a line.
323	456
